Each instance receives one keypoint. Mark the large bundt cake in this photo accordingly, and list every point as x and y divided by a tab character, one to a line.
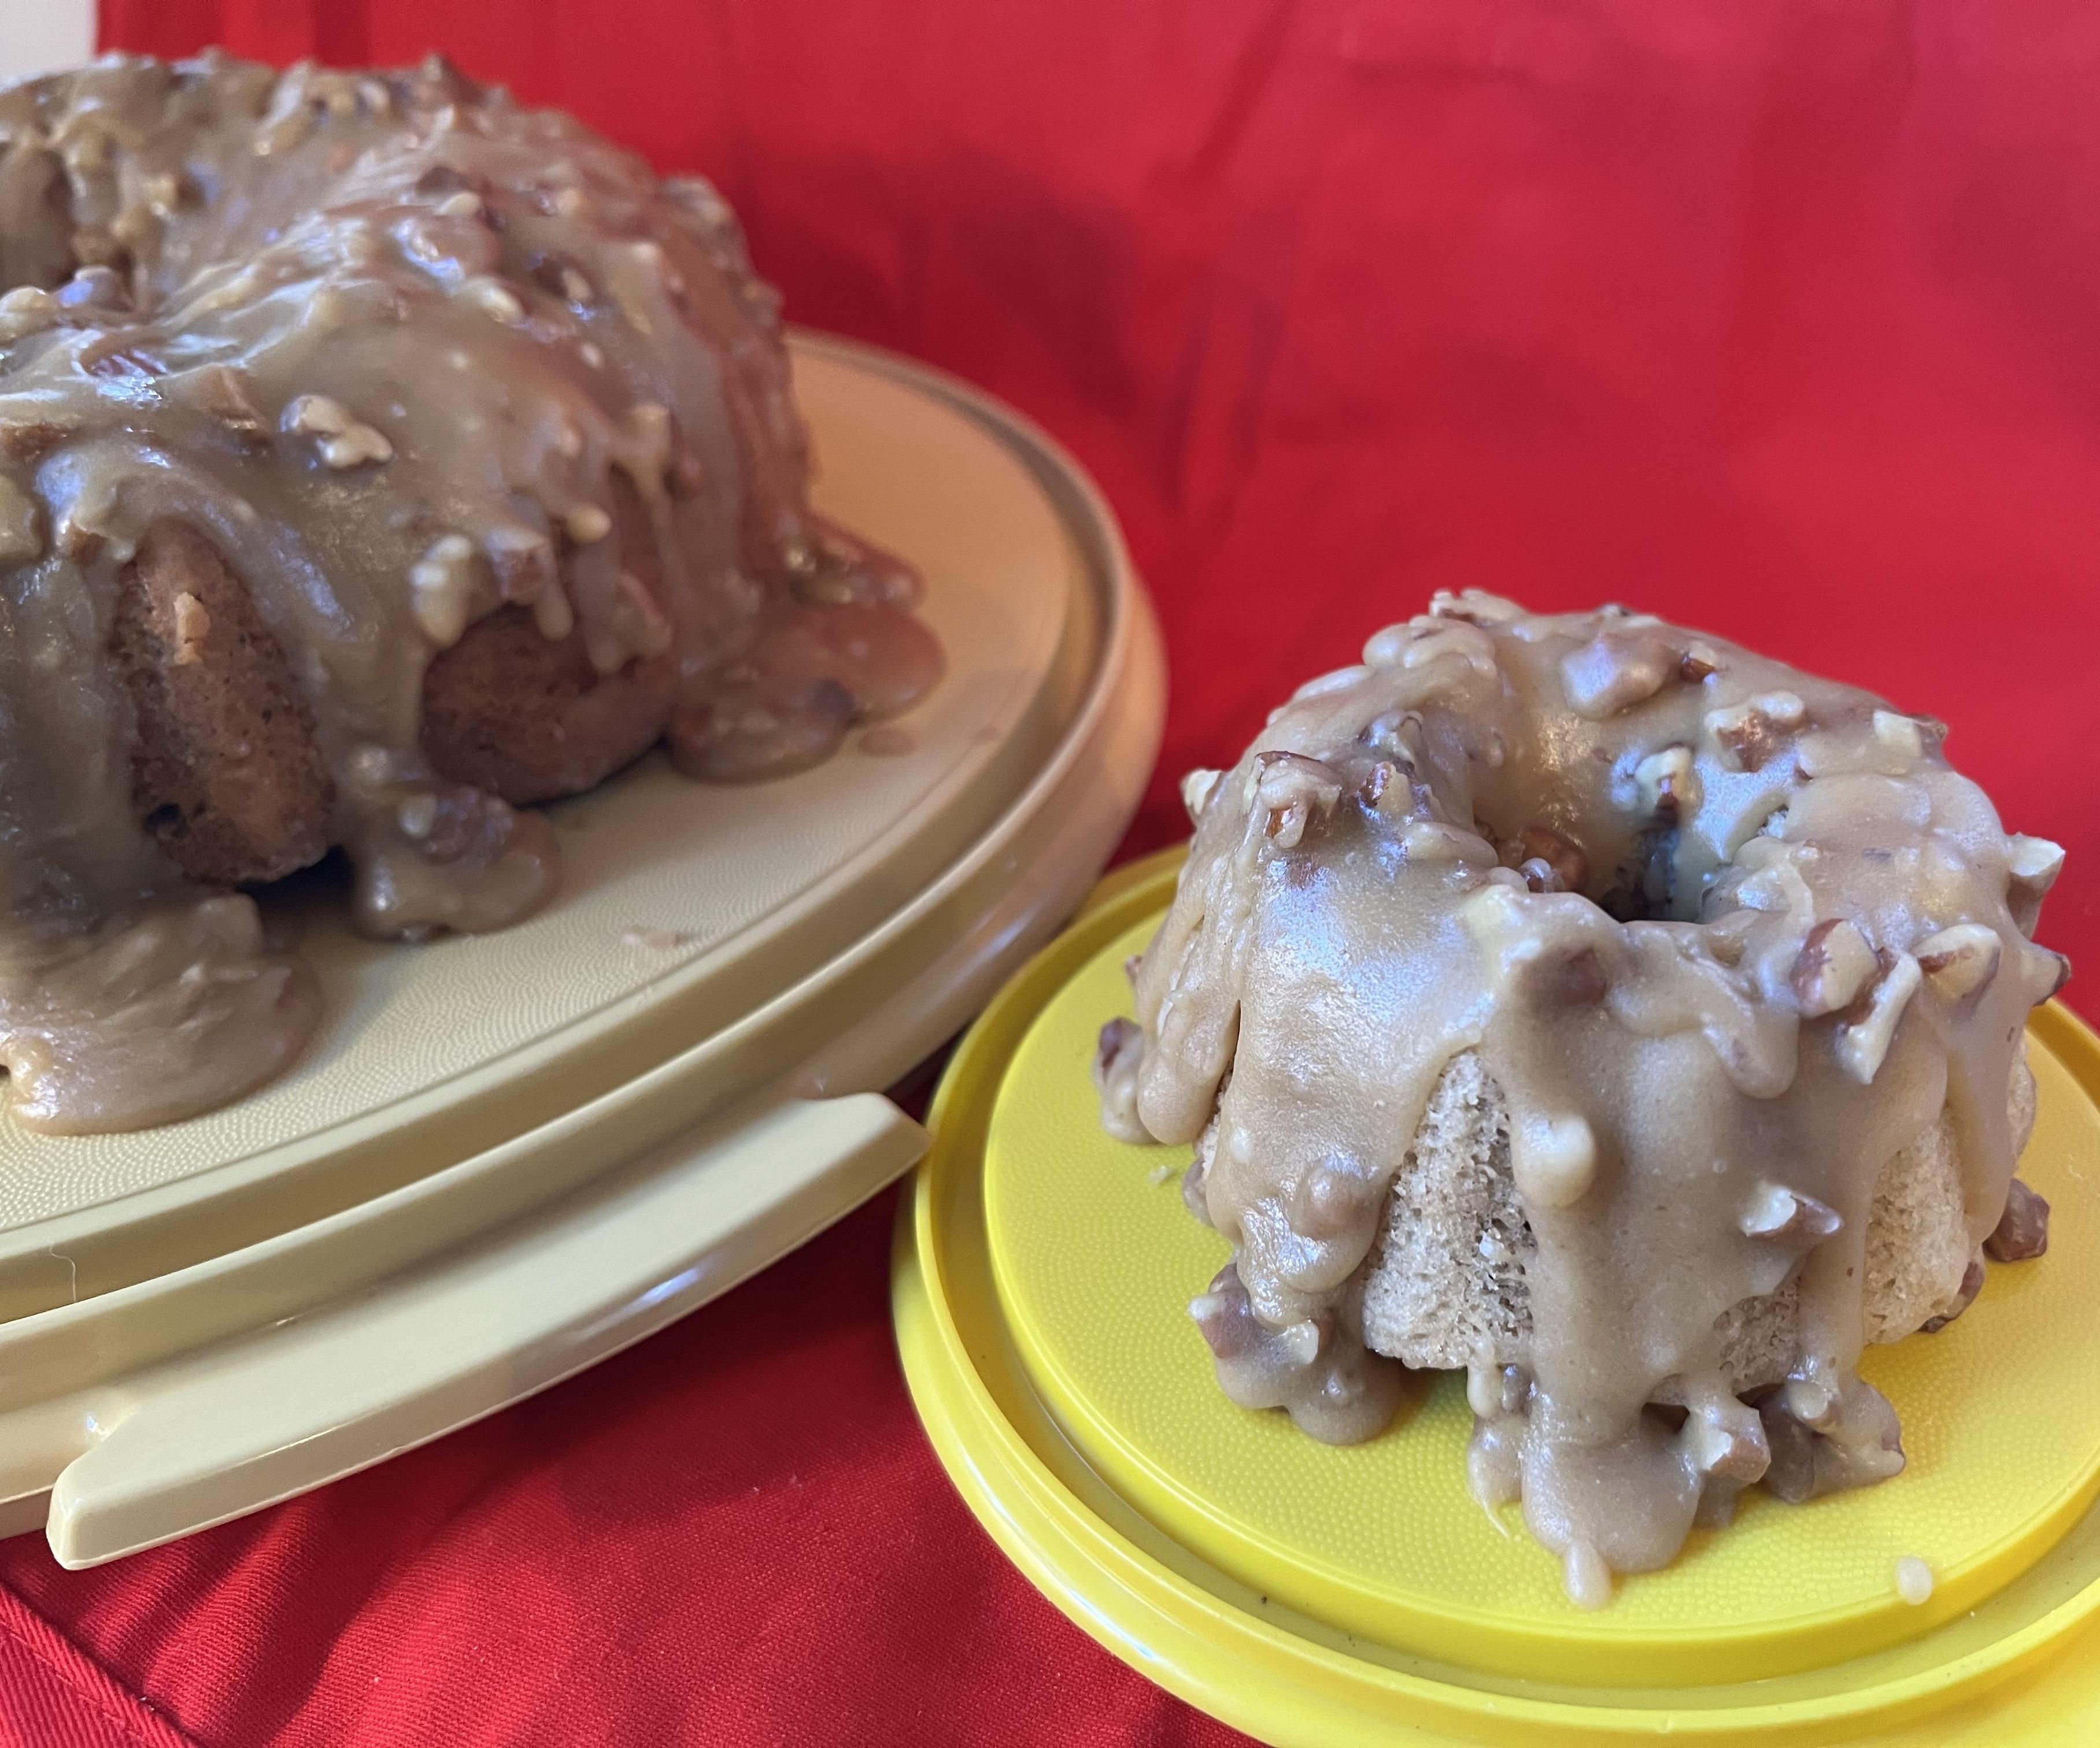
1630	1020
376	455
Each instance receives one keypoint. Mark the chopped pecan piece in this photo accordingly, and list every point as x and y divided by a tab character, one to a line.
2023	1229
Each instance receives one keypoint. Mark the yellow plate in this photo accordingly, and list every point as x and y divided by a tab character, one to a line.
1315	1596
1095	1258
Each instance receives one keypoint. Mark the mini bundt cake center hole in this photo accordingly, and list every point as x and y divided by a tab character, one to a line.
1639	889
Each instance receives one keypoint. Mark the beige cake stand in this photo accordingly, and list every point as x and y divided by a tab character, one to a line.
509	1155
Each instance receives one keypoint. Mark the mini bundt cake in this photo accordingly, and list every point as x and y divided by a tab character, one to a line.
1630	1020
376	456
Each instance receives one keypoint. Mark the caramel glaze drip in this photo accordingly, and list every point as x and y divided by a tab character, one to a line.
406	353
1727	936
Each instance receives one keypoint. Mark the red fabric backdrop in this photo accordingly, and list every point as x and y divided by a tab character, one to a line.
1777	318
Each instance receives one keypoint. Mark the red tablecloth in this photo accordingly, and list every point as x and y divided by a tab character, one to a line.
1780	319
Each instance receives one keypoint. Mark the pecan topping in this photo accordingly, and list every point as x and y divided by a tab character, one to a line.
1751	734
1958	961
2023	1229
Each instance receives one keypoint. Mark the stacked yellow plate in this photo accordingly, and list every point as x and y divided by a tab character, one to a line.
1315	1596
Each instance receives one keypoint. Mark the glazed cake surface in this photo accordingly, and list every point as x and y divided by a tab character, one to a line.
1629	1018
378	458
